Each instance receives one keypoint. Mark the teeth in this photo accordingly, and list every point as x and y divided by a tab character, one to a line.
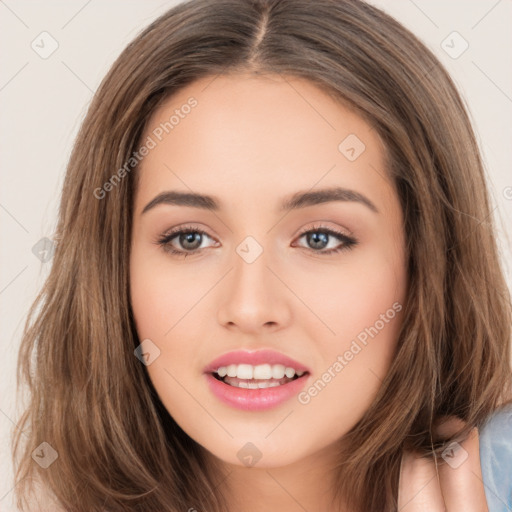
260	372
263	371
260	385
289	372
278	371
231	370
244	371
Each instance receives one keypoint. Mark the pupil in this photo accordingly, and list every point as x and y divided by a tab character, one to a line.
318	240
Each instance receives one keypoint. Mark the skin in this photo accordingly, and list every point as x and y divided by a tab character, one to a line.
456	485
250	142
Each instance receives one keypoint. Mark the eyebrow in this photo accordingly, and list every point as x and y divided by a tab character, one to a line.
296	201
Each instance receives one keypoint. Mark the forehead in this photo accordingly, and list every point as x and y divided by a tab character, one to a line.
251	134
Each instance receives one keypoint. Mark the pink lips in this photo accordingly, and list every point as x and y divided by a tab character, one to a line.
255	399
255	358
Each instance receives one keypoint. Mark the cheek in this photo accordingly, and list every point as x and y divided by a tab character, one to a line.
168	305
160	302
361	303
160	297
352	296
367	320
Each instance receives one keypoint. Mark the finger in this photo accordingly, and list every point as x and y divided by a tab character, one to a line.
419	489
460	474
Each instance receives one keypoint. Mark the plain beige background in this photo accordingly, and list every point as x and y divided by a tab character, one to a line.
43	101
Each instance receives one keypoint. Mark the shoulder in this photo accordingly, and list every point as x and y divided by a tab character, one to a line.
496	459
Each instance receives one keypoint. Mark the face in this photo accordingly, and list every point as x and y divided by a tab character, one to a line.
259	274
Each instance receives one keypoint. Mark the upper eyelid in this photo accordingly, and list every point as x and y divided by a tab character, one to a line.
174	232
319	227
195	229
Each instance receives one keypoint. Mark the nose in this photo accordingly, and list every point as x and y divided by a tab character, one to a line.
252	298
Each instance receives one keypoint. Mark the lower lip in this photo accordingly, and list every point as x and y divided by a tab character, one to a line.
255	399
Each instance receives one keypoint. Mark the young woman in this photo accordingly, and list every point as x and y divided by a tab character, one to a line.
276	283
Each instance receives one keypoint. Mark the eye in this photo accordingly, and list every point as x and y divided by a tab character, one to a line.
319	238
188	238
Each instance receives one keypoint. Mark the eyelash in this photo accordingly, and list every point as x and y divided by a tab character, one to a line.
164	241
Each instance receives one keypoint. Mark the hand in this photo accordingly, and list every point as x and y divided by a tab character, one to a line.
451	489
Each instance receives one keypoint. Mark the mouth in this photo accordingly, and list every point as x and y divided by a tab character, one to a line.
257	377
255	380
256	388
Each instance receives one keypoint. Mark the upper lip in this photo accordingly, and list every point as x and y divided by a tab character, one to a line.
254	358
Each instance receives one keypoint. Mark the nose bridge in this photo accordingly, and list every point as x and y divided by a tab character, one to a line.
250	266
253	296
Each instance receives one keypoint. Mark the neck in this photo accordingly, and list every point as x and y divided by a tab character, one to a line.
304	485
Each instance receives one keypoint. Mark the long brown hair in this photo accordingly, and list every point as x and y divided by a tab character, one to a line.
91	399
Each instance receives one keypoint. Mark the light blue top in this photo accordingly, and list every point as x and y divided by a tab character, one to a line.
496	460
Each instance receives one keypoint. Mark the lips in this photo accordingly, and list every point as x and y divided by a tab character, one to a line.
255	358
274	393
